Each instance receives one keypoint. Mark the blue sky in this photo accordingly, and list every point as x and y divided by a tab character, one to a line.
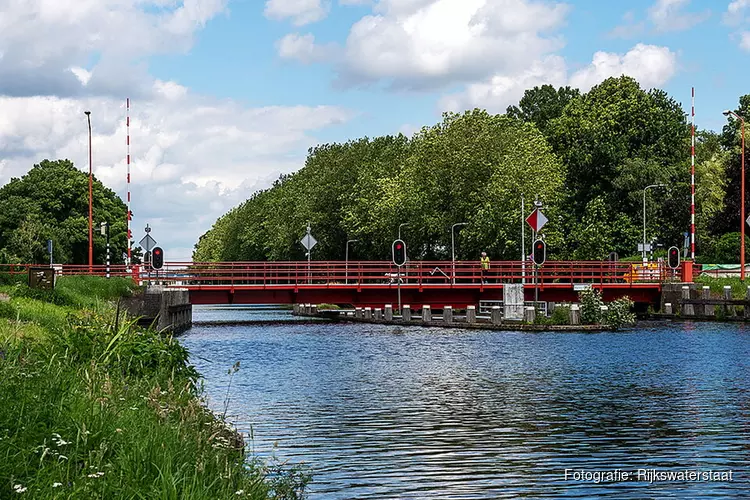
235	57
228	94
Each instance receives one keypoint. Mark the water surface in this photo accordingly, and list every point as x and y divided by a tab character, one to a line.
389	412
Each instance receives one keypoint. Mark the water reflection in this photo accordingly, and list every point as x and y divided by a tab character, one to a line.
385	412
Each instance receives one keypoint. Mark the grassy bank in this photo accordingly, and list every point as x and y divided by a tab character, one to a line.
93	407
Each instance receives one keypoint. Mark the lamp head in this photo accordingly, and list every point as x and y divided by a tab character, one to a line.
87	113
727	113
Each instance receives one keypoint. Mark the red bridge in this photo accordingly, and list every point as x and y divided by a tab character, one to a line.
436	283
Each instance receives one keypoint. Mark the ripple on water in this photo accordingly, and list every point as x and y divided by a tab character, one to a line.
385	412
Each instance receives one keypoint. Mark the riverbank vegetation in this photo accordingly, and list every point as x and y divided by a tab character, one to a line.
92	406
586	156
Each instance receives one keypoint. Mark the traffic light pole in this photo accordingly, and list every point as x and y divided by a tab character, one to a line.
399	289
107	250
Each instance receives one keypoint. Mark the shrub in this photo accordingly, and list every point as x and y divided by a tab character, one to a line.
561	315
618	313
591	306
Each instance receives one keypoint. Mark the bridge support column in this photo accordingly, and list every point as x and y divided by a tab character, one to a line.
406	313
687	309
448	314
295	309
668	308
388	312
708	309
746	309
497	317
308	309
358	313
575	314
728	309
368	313
426	314
529	314
378	314
313	309
471	314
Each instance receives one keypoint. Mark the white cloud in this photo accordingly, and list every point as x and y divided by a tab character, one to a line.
745	40
42	39
649	64
304	49
422	44
501	90
301	12
736	11
668	15
663	16
193	157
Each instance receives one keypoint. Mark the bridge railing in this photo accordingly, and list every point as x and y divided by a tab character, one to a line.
369	273
422	273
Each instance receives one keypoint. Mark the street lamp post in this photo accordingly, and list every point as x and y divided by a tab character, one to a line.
347	259
453	248
91	200
742	194
645	260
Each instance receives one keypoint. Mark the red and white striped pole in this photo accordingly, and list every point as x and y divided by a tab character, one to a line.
127	127
692	179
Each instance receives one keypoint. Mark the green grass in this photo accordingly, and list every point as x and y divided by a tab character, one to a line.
739	289
93	410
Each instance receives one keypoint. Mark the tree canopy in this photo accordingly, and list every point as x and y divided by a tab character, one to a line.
586	156
51	202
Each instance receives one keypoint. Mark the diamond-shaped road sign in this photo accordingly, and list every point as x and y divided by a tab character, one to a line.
148	242
308	241
748	219
536	220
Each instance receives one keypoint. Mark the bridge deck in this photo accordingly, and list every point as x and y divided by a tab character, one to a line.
374	282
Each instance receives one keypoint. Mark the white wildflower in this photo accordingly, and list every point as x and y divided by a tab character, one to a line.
96	474
239	492
19	488
56	485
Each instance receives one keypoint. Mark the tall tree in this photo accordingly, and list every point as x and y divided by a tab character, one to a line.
51	202
541	105
617	139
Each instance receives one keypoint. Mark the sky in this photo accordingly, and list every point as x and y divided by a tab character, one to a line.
226	95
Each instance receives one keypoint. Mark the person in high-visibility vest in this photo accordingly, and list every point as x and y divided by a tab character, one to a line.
485	263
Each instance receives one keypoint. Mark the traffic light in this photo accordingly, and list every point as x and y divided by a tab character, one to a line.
673	258
158	258
399	253
540	252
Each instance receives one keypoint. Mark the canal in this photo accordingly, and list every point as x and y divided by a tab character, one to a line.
387	412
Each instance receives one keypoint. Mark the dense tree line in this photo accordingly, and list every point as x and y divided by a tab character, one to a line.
586	156
51	202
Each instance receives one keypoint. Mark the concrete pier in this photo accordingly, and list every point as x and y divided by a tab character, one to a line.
426	318
168	309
